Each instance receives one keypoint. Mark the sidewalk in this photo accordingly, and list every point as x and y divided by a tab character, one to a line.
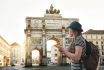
5	66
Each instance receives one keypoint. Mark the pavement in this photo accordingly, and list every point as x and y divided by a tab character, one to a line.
40	68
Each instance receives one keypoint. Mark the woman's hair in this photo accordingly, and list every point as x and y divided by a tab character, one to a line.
78	32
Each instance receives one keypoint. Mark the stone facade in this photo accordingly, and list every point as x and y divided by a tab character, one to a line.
4	52
41	29
97	37
54	55
16	54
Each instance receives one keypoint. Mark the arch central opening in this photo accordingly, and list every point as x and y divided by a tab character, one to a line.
52	51
35	57
50	43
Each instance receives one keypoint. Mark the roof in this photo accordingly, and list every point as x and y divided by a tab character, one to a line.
14	44
4	40
91	31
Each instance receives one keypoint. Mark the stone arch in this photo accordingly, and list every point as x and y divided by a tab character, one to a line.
40	54
58	43
55	39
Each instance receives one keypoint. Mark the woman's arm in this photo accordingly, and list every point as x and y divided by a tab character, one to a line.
75	56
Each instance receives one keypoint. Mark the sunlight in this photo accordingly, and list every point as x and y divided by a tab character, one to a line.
35	54
50	43
35	58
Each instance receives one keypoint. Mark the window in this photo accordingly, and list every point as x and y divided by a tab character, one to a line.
102	47
101	37
56	60
102	52
101	42
55	55
96	42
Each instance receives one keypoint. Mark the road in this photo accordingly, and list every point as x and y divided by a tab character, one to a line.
40	68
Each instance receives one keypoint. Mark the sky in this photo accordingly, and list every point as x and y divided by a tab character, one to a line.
51	43
14	12
35	54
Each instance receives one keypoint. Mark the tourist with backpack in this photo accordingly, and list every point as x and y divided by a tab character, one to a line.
81	52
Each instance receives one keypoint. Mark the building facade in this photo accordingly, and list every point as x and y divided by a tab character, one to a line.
54	55
4	52
16	54
97	37
41	29
49	56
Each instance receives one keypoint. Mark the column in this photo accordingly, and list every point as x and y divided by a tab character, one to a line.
28	53
44	51
41	55
64	60
44	61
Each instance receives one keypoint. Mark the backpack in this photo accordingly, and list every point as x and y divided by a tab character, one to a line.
91	59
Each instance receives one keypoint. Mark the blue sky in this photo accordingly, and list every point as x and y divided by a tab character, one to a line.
13	13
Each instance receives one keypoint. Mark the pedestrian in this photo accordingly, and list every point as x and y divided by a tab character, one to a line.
78	46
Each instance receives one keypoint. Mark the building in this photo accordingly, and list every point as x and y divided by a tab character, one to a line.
15	54
39	30
54	55
4	52
52	52
49	56
23	53
97	37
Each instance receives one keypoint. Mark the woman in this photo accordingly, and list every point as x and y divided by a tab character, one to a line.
77	48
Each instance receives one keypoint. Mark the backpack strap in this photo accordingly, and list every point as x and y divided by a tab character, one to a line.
88	49
87	53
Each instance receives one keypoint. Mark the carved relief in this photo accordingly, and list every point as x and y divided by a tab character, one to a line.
34	23
36	40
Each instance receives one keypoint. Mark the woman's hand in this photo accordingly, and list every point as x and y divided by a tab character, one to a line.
61	49
75	56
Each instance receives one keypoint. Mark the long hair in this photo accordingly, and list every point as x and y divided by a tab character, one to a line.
78	32
72	39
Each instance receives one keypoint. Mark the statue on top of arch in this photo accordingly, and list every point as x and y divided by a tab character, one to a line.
52	10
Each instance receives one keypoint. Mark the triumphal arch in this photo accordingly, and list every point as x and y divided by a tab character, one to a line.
41	29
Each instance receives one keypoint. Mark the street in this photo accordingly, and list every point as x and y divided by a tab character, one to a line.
36	68
41	68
